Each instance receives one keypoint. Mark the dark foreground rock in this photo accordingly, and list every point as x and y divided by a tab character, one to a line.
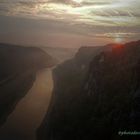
105	104
68	79
18	67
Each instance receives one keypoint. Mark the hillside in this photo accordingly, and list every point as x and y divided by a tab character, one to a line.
18	67
68	79
60	54
105	102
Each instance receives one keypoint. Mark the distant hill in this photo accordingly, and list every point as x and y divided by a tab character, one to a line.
60	54
99	102
18	67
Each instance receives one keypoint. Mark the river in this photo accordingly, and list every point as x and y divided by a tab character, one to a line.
30	111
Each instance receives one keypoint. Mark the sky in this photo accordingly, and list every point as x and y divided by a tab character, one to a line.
69	23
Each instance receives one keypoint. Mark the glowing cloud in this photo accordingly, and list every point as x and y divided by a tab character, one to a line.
97	17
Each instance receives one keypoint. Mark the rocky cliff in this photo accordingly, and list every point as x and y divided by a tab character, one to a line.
18	67
112	87
105	103
68	79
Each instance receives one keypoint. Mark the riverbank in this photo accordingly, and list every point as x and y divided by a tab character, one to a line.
30	111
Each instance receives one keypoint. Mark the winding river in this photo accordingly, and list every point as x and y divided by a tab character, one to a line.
30	111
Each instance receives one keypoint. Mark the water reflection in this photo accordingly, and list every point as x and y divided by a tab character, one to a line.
29	112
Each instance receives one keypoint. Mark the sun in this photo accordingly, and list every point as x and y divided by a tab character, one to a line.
118	39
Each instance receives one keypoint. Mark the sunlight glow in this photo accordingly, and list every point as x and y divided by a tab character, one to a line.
95	12
118	39
99	18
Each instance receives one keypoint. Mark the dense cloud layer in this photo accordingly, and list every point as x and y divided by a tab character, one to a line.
93	18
